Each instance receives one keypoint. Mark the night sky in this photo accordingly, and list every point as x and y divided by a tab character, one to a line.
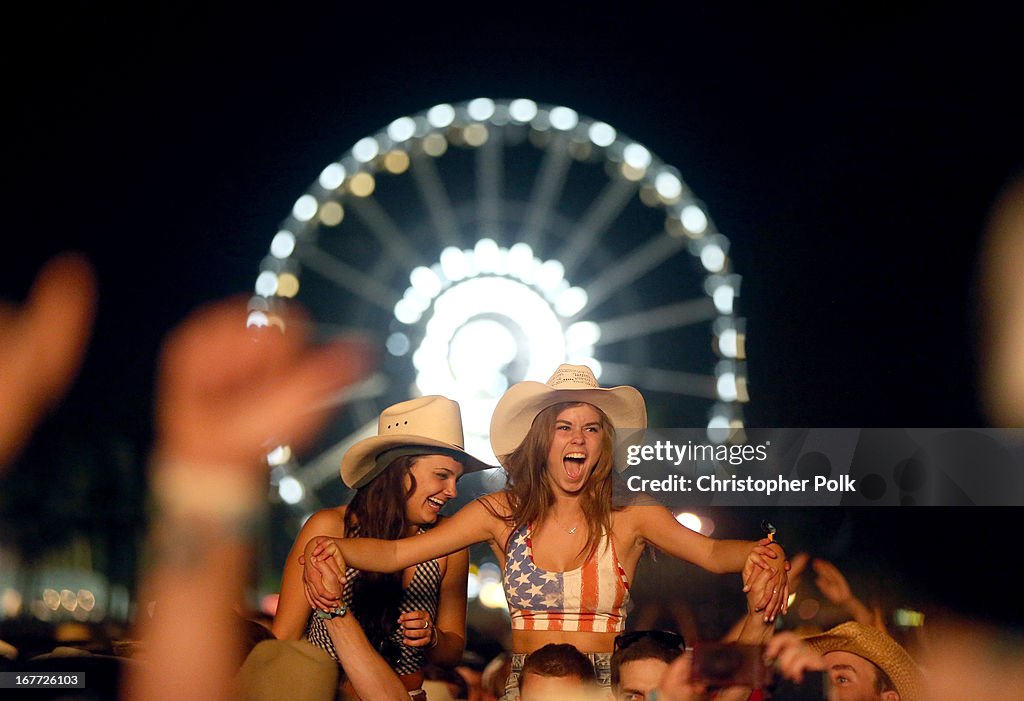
851	155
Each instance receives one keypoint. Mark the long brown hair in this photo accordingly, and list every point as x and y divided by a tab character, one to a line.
530	493
378	511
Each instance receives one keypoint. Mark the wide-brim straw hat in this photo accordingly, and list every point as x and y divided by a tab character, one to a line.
432	421
287	669
878	648
518	407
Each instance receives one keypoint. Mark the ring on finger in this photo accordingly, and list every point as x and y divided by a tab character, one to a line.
426	624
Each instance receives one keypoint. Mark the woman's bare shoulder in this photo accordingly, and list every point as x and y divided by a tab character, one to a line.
329	522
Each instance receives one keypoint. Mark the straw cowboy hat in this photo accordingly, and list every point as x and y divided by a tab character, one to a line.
287	669
432	422
519	406
875	647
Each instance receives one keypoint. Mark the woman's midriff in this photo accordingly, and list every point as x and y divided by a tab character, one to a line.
530	640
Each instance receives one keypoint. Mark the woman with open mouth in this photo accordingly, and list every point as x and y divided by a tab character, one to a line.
403	477
567	553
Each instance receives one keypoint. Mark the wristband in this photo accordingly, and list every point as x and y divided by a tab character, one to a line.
338	612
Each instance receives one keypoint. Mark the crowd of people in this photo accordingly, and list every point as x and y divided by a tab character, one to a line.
373	593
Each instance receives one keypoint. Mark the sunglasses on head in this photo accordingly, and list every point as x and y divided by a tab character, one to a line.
664	638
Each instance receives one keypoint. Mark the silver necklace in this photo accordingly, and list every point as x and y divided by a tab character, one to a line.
570	531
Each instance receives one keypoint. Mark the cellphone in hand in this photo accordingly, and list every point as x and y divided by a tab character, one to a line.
720	665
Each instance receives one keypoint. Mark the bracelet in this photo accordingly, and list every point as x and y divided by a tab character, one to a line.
338	612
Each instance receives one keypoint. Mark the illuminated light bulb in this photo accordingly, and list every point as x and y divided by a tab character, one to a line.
366	149
632	174
719	428
51	598
283	244
472	586
601	134
669	187
636	156
519	260
489	573
693	219
266	283
481	109
332	176
279	455
486	254
563	118
257	319
441	116
726	386
583	333
727	343
68	599
396	162
712	257
550	273
305	208
492	595
522	110
362	185
723	297
291	490
425	281
434	145
690	520
454	263
397	344
10	602
332	213
406	312
287	285
571	301
402	129
475	134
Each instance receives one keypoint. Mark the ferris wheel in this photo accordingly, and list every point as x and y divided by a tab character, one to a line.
486	242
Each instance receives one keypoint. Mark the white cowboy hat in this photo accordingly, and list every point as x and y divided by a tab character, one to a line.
432	421
519	406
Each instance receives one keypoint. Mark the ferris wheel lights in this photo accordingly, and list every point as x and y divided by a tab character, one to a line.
669	187
441	116
522	110
332	176
279	455
481	109
406	312
257	320
475	135
549	275
331	213
693	219
290	490
283	244
636	156
723	298
486	255
287	285
425	281
712	257
362	184
571	301
434	145
728	343
266	283
396	162
305	208
563	118
520	258
366	149
398	344
402	129
454	263
582	335
601	134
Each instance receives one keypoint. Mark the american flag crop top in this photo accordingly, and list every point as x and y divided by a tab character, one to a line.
588	599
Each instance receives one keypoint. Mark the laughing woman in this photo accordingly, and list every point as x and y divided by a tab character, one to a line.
567	553
403	477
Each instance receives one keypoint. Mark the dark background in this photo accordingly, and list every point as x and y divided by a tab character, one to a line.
850	153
